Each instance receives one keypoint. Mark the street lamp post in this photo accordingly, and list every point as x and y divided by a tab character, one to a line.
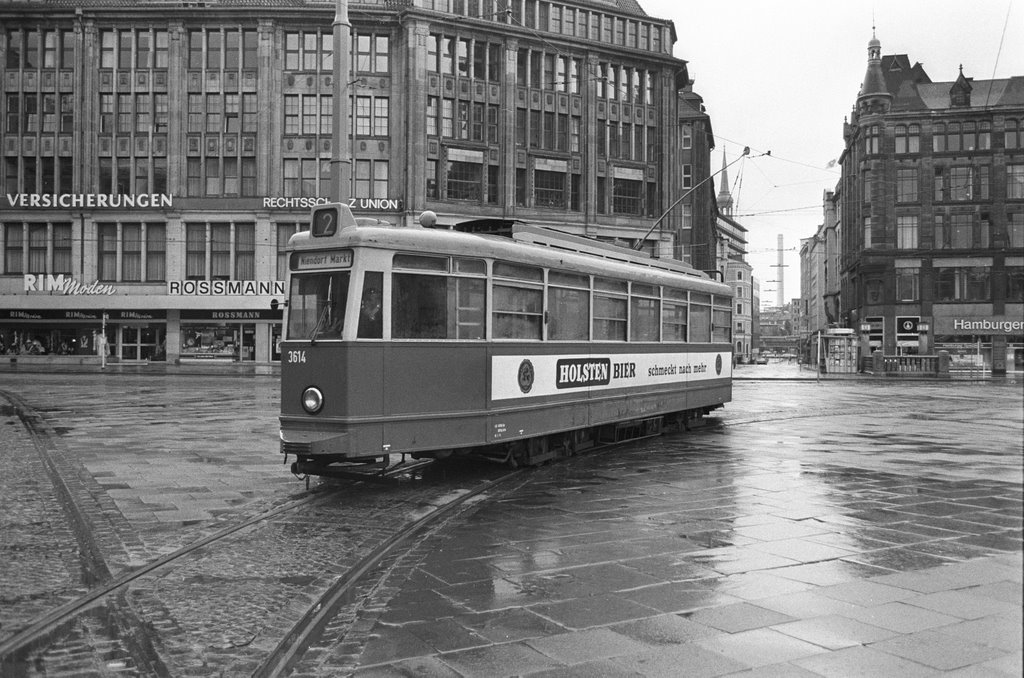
103	342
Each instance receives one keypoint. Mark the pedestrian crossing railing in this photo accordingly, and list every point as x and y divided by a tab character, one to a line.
910	365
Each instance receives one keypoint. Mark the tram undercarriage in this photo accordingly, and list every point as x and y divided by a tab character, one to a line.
514	454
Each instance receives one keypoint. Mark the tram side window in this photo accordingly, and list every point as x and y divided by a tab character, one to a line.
438	306
673	316
568	306
419	306
316	305
700	318
644	313
611	310
722	325
518	303
471	299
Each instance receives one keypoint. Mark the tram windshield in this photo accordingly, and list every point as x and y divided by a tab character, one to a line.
316	305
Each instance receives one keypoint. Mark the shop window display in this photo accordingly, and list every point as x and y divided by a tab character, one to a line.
47	341
218	342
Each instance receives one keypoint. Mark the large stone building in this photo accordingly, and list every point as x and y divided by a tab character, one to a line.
819	278
932	208
158	154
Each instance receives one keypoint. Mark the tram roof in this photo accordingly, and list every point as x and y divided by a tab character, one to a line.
528	245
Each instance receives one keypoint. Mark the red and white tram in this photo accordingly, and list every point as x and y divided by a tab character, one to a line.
428	342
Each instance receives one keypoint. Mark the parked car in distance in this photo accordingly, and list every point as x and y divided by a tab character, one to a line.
761	360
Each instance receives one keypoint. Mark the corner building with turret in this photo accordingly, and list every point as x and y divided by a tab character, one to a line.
932	215
162	152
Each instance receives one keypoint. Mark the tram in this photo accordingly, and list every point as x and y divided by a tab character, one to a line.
416	343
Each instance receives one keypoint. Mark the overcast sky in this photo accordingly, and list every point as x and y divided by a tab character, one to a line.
781	75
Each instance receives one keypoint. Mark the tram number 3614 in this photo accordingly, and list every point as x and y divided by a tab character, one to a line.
296	356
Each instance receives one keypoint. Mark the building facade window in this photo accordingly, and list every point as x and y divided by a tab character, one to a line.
309	51
33	49
1015	229
960	183
549	189
1013	134
373	53
963	283
308	114
939	138
37	247
371	116
908	284
308	177
961	231
131	251
1015	283
906	185
1015	182
220	251
371	179
906	232
873	140
907	139
627	196
465	180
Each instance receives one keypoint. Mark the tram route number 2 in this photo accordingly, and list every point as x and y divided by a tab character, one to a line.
296	356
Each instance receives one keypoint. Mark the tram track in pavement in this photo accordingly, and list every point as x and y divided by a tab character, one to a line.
103	587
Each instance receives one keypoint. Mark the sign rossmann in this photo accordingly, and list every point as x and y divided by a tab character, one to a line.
216	288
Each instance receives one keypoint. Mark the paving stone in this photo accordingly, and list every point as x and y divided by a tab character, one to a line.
834	632
865	593
696	661
863	662
582	646
938	650
738	617
900	617
963	603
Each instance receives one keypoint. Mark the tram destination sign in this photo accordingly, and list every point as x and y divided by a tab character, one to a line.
308	261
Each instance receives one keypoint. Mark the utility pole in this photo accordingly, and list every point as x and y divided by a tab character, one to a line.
341	145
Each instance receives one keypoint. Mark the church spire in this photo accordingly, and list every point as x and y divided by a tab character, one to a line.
724	196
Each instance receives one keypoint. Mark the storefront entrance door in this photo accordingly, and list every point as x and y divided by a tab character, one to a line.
142	343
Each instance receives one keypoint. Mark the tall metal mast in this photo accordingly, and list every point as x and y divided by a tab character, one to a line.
341	145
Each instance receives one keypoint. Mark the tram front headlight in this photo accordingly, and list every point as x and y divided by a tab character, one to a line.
312	400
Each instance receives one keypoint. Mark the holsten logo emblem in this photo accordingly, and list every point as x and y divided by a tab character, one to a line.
526	375
583	372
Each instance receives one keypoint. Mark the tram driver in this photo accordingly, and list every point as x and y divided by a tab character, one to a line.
370	320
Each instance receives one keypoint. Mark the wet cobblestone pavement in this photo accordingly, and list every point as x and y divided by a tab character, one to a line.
850	527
